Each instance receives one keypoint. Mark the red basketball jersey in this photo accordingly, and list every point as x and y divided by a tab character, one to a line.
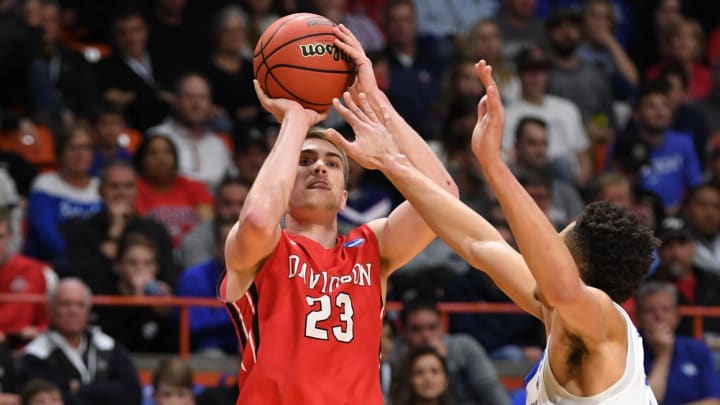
309	326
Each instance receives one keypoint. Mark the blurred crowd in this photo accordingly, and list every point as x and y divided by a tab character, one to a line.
130	134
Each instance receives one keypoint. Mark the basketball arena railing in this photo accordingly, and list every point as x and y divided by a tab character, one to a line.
183	304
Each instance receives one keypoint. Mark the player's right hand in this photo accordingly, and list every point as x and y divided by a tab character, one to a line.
365	81
487	135
279	107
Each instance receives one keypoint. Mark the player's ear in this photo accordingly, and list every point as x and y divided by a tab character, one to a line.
344	200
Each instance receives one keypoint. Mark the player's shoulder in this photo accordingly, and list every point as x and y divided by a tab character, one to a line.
364	234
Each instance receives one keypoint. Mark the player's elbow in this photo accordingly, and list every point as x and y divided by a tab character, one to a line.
256	222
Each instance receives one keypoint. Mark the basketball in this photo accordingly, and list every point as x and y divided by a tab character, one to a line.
296	58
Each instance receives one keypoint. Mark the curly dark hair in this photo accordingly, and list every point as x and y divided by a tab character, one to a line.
612	249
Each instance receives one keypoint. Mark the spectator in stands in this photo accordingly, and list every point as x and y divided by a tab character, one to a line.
666	162
173	383
695	286
168	27
531	144
422	378
415	66
452	20
701	211
41	392
250	153
683	44
202	155
460	80
686	118
132	78
112	140
229	72
62	354
62	81
10	200
485	42
612	187
539	186
646	49
578	81
175	201
519	28
211	329
140	329
472	375
365	29
568	143
92	243
386	348
57	196
601	47
680	369
21	322
198	245
710	104
19	41
262	14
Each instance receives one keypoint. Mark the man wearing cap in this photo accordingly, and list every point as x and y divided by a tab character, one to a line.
695	286
568	145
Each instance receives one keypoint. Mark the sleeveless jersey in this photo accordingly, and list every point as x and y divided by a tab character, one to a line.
631	388
309	326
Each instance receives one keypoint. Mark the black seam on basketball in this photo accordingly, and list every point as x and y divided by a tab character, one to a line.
298	67
263	46
297	98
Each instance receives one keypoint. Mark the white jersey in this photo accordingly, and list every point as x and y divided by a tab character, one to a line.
631	388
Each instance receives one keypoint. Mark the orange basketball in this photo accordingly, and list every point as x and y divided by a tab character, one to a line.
296	58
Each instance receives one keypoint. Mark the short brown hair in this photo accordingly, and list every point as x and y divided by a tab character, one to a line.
319	133
34	387
173	371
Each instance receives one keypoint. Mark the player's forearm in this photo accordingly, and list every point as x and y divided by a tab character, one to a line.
269	195
417	150
454	222
544	251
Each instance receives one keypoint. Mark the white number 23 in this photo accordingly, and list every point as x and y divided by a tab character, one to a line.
342	332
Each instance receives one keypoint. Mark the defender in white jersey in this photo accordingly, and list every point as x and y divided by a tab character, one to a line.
572	281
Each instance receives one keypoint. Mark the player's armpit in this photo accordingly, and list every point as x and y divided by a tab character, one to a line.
590	314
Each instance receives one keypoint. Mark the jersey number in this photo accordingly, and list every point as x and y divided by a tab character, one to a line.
344	332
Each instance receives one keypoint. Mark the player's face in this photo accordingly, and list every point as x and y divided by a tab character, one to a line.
173	395
422	328
137	267
319	182
428	378
657	309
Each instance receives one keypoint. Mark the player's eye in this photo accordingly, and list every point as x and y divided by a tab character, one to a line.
304	161
333	164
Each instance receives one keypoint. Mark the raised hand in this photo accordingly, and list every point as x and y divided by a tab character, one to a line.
487	135
278	107
365	81
373	143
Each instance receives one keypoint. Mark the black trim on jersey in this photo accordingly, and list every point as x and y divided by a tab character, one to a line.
238	324
255	326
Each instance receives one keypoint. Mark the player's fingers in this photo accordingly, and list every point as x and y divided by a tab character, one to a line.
354	54
338	140
347	36
350	103
346	113
367	108
259	91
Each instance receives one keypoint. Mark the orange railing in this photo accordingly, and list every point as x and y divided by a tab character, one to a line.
184	303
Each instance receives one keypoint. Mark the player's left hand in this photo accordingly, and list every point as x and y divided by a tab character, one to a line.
487	135
373	143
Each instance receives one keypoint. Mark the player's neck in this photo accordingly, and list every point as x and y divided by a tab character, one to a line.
324	233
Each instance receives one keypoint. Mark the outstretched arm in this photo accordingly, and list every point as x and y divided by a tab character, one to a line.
403	234
582	309
466	232
257	231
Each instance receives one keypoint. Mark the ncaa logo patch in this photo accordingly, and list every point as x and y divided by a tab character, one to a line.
354	243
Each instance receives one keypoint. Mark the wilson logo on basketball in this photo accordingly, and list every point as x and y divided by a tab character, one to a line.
311	50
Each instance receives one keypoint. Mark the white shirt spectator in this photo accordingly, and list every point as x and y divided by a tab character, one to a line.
204	158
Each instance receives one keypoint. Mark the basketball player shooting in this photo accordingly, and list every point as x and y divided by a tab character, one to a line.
572	281
307	303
